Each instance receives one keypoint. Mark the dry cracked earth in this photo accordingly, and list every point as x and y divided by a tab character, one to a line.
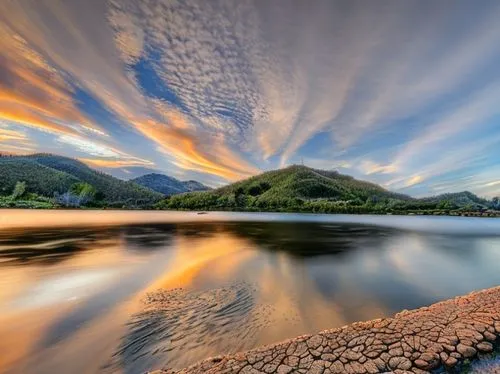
418	341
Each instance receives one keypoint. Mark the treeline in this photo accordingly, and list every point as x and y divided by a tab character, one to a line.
301	189
245	202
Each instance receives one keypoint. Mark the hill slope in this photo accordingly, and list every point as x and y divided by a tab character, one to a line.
40	179
46	174
168	185
294	188
460	200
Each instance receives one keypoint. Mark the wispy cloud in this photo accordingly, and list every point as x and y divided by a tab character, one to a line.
115	163
228	88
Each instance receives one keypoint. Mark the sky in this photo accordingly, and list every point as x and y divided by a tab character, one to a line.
405	94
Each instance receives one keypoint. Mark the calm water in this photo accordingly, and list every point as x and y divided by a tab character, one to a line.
73	285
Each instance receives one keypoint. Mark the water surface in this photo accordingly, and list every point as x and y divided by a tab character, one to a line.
79	290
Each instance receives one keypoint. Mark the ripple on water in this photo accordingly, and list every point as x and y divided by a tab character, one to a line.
488	364
180	327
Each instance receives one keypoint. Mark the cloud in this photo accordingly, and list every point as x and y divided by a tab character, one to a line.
14	141
491	184
194	151
231	85
32	92
88	146
83	45
115	163
105	156
414	180
8	135
369	167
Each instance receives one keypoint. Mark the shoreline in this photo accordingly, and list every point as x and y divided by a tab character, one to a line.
441	213
440	336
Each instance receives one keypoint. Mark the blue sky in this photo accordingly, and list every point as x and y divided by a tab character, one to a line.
402	93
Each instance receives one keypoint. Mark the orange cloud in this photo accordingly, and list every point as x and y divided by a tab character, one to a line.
182	144
114	163
6	134
15	142
414	180
25	117
33	93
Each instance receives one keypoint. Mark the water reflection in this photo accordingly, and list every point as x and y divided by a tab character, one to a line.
227	286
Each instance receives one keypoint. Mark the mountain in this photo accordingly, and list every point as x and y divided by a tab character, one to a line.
460	200
295	188
46	174
192	185
168	185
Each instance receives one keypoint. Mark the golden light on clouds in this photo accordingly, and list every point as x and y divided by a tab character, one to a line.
35	94
228	89
414	180
115	163
214	158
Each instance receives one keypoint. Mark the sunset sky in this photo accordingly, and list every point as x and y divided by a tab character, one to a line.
402	93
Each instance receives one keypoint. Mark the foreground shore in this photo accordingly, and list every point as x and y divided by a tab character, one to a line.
442	335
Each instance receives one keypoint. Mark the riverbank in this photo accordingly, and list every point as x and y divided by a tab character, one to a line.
442	336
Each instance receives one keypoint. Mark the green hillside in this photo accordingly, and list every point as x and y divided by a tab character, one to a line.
303	189
39	179
296	188
47	175
460	200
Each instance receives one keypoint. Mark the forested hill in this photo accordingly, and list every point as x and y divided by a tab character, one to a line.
168	185
460	199
302	189
49	175
294	188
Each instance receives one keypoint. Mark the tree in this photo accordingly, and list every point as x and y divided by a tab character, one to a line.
496	202
78	194
18	191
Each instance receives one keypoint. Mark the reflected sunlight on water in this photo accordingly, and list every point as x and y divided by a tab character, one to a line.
86	299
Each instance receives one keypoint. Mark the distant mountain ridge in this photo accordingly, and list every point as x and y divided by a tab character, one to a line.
168	185
460	199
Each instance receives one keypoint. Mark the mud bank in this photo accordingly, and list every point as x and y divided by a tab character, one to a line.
435	338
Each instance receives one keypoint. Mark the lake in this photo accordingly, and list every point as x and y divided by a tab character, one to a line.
127	292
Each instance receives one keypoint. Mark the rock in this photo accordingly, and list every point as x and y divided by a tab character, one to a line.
450	362
396	352
466	351
485	347
399	363
444	356
421	364
314	342
427	361
497	327
284	369
489	336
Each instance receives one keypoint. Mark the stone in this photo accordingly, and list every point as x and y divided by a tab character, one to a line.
466	351
489	336
284	369
485	347
450	362
399	363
